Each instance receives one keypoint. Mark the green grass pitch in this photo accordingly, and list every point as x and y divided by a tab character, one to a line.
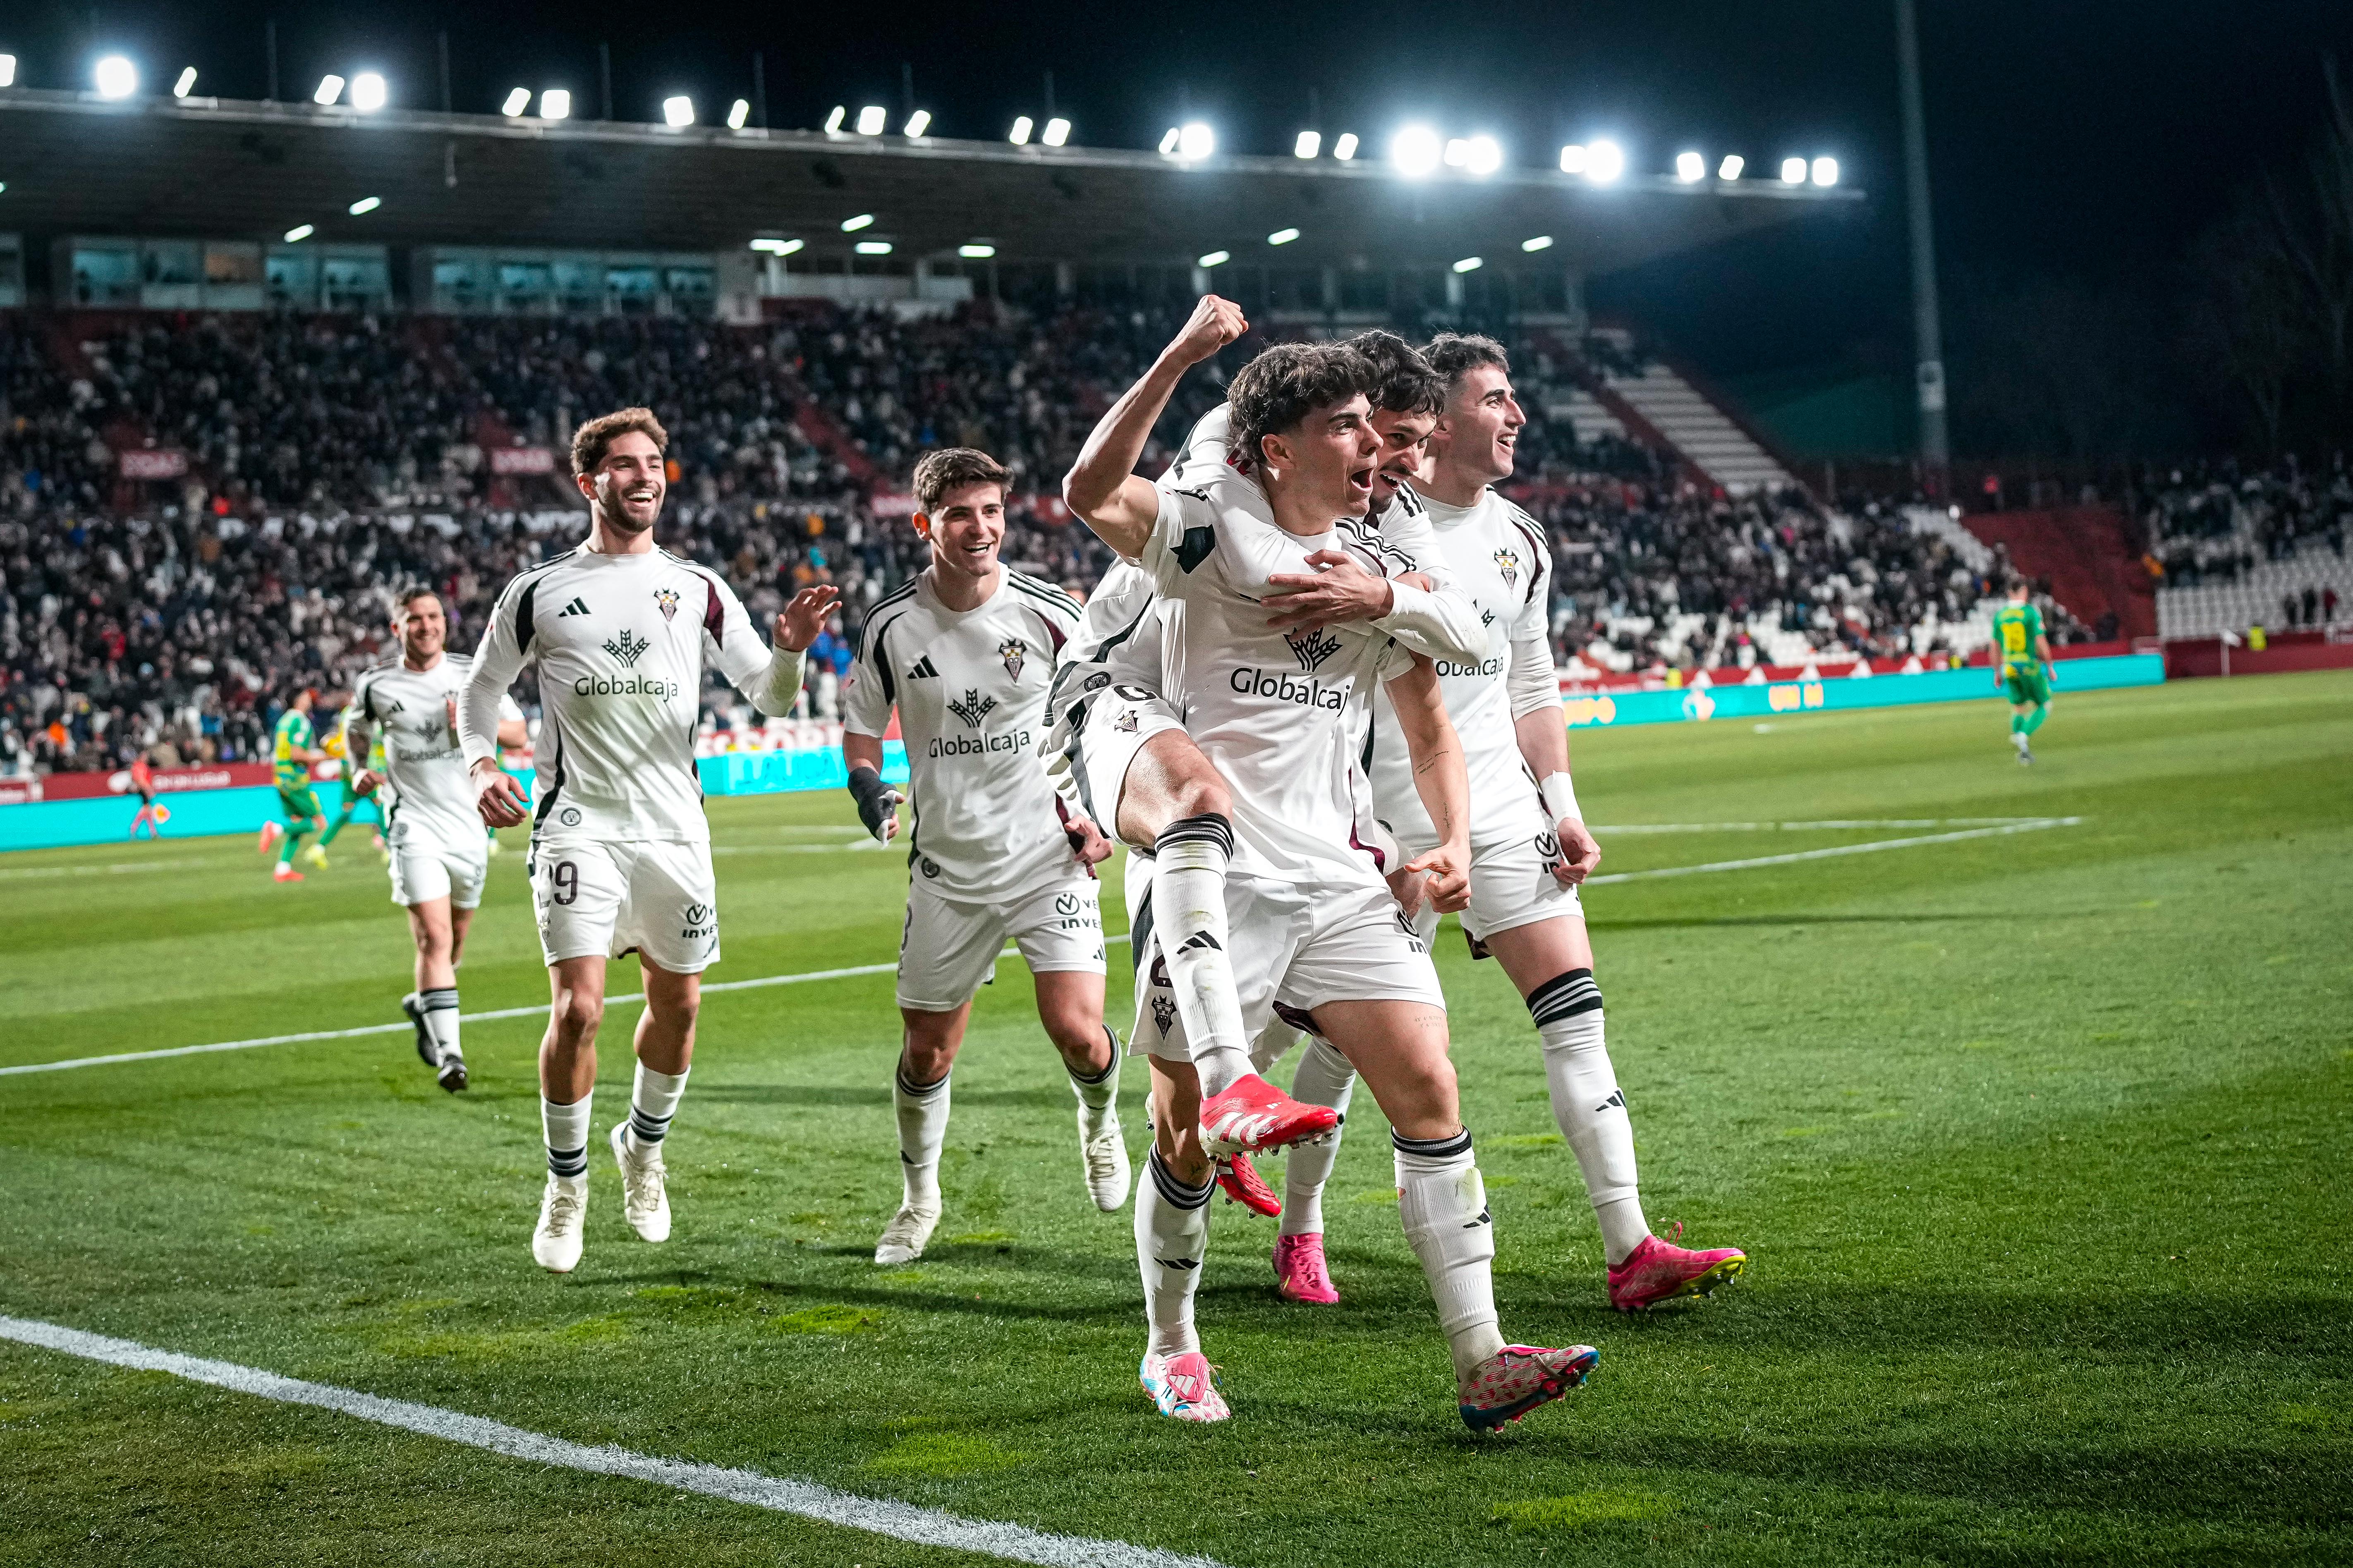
2038	1144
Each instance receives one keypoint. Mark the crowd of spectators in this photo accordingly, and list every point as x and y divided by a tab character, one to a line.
332	460
2214	522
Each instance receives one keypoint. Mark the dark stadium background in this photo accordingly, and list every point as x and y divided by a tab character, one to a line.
2077	152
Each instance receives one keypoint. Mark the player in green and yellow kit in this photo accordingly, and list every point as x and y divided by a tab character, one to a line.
293	753
2023	666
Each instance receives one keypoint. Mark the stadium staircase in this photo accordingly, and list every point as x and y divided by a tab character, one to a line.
2085	554
1664	405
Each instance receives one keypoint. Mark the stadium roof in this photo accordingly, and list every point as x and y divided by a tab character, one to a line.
160	167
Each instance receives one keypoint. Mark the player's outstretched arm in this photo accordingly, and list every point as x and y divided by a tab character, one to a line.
769	673
1103	487
496	663
1440	779
878	803
358	738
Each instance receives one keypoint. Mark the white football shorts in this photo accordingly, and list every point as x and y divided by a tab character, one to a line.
1119	721
1512	885
1293	947
423	870
655	897
948	948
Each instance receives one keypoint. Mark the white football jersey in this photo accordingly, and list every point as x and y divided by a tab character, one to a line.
621	642
1496	552
971	689
429	798
1274	711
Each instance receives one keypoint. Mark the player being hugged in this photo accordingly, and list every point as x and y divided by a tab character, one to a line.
966	653
432	827
1314	927
620	859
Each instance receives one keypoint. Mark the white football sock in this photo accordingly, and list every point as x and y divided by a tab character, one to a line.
922	1111
1587	1103
1443	1206
440	1010
1172	1234
1189	915
653	1100
1097	1095
566	1128
1324	1077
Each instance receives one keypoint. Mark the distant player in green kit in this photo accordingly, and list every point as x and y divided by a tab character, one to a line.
295	751
2023	666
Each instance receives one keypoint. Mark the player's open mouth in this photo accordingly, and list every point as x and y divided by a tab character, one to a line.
1361	480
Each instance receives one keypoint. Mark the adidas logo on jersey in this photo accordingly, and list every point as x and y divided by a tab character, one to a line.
923	669
1311	648
578	606
625	646
974	708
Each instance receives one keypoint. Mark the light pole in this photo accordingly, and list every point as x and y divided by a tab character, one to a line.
1936	450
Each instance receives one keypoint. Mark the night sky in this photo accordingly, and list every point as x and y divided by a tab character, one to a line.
2085	142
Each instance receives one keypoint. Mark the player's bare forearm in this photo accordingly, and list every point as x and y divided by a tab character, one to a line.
513	733
1439	776
1543	741
861	751
358	739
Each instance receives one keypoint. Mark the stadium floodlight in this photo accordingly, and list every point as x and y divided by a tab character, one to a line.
1731	166
1793	171
977	252
1469	264
777	246
1541	242
366	206
1458	152
1283	236
368	92
739	114
1058	131
517	101
1215	258
873	247
1416	151
186	84
7	70
1195	141
1604	161
555	103
1019	135
872	119
1345	149
1168	142
1310	142
833	120
1825	170
1574	159
299	233
852	224
115	77
677	112
1482	156
331	88
1690	168
917	123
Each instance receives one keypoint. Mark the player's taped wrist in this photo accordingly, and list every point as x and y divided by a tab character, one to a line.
1560	798
787	668
873	797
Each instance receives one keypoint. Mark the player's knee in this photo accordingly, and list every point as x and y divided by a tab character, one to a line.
578	1014
1199	792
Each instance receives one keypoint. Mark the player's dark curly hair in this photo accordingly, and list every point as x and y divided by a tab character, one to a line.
1454	354
594	439
1285	384
1407	384
942	473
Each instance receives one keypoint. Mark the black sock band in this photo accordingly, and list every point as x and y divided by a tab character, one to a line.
1433	1148
444	1000
1175	1191
1562	997
570	1163
920	1091
648	1129
1210	828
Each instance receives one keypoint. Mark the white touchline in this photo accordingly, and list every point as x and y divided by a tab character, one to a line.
2007	825
781	1494
1816	826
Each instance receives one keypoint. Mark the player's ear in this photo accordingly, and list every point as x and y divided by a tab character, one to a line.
923	525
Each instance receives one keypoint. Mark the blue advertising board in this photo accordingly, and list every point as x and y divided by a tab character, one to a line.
1779	698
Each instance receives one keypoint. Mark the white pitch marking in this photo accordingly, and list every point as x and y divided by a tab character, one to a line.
780	1494
2033	824
1817	827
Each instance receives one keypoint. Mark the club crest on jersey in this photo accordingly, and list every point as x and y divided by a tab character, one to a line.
1125	721
1311	646
1013	650
974	708
625	646
1509	565
666	599
1164	1014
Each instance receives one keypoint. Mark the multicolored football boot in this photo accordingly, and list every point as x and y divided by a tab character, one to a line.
1659	1271
1242	1185
1300	1274
1518	1378
1254	1116
1185	1386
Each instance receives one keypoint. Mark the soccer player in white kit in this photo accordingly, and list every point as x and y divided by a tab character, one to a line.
432	828
1529	847
1319	931
620	855
966	653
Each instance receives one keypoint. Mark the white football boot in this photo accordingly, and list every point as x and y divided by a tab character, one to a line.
645	1193
905	1238
1105	1153
563	1215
